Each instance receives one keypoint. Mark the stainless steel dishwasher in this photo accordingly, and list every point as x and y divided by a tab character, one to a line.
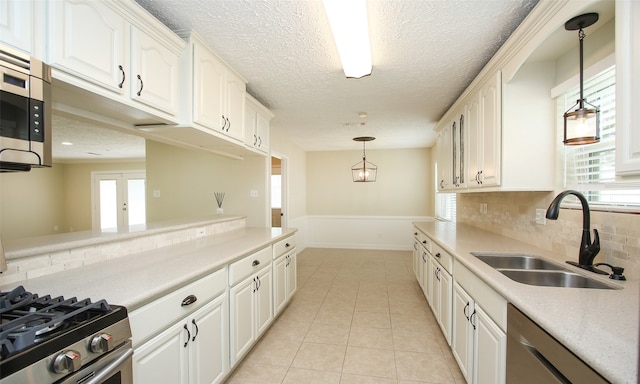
534	356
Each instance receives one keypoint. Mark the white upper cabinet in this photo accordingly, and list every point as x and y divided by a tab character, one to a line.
90	40
627	87
256	125
16	21
216	95
156	72
117	51
488	148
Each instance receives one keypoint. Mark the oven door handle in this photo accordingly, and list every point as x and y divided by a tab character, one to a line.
112	367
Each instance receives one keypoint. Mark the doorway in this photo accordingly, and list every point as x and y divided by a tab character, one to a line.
278	192
118	200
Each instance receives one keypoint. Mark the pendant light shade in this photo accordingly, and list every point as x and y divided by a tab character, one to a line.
364	171
582	124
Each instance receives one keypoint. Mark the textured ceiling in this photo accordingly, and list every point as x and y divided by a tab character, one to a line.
425	52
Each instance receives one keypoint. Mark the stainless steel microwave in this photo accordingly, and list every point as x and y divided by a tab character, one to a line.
25	112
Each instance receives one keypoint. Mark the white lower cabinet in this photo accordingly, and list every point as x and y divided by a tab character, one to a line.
478	344
250	302
441	294
284	280
194	350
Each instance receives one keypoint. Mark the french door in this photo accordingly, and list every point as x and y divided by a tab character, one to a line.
118	200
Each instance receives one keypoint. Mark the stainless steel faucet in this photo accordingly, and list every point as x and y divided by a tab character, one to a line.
588	250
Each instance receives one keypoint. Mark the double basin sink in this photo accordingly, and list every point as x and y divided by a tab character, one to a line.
533	270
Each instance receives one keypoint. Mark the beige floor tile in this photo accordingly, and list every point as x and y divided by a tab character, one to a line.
372	319
258	374
272	351
309	376
323	357
288	330
370	362
334	316
410	341
413	322
379	338
380	306
423	367
302	313
328	334
359	379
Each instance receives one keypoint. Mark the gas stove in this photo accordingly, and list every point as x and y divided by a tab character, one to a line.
46	339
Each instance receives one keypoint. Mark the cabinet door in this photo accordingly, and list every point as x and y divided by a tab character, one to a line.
292	275
443	148
241	318
461	331
490	350
262	130
434	295
163	359
416	259
16	24
234	98
425	277
474	134
264	300
280	283
446	298
491	122
208	89
90	40
209	345
250	125
155	73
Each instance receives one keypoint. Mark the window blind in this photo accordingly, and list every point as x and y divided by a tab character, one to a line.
590	169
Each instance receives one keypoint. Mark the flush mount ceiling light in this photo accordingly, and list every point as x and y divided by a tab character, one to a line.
582	125
348	20
364	171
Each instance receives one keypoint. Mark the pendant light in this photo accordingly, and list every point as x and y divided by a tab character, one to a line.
364	171
581	125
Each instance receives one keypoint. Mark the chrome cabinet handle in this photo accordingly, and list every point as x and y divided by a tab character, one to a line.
224	122
124	76
255	285
438	255
255	140
141	85
465	310
259	283
228	125
471	319
255	263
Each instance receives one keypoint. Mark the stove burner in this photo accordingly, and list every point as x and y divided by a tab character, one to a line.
27	320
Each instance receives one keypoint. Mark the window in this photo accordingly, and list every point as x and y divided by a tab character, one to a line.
590	169
445	203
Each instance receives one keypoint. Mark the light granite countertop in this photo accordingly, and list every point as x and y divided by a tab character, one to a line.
135	280
598	325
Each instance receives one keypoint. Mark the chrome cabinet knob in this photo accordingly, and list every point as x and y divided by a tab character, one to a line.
67	362
101	343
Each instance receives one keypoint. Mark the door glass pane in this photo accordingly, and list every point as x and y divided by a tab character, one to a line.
108	205
136	206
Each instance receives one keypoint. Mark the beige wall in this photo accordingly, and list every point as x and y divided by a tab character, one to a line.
34	203
187	180
404	185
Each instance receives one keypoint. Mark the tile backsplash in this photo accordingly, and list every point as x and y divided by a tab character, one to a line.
45	263
512	214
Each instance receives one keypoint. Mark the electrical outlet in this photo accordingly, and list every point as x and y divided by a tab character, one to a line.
541	216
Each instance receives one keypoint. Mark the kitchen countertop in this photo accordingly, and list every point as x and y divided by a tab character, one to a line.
598	325
135	280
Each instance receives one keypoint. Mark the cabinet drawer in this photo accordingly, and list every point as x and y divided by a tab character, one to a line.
491	302
284	246
424	240
239	270
156	316
444	258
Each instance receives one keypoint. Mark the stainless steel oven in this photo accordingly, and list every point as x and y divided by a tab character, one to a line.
25	111
46	340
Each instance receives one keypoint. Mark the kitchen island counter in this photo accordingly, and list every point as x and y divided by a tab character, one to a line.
599	325
135	280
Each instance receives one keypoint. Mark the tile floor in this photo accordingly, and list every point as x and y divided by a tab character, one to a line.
358	317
